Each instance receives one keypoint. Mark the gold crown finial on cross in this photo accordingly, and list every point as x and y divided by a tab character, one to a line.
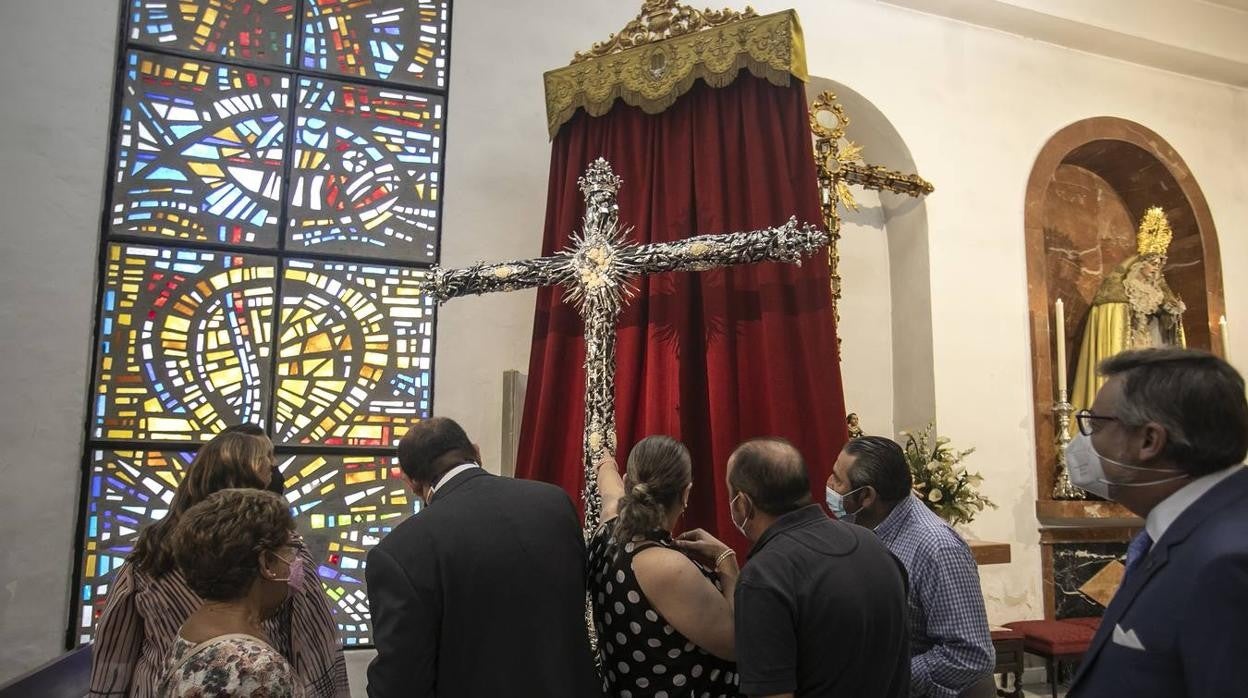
599	179
1154	235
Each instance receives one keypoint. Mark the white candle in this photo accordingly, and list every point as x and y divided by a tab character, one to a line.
1061	350
1226	341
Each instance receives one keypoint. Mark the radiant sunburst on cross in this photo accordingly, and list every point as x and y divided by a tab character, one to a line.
595	273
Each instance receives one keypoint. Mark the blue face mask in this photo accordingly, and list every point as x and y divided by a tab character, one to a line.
836	503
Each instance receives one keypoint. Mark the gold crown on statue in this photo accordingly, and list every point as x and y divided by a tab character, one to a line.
599	178
1155	234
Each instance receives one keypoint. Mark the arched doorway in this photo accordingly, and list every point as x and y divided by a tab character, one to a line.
887	367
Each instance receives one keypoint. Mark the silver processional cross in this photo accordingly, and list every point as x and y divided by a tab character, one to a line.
595	272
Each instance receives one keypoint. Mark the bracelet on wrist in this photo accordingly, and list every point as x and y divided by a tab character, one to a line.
724	556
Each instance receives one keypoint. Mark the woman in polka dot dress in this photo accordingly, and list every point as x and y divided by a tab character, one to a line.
663	608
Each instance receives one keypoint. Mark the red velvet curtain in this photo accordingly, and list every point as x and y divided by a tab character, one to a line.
711	358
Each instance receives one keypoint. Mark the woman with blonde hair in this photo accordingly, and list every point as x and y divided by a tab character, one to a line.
663	608
149	598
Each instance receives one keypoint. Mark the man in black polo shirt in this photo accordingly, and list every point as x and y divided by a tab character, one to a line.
821	605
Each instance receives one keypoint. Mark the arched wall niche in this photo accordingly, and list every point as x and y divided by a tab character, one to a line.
1089	187
887	367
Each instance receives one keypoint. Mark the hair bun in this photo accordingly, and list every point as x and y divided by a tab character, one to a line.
642	495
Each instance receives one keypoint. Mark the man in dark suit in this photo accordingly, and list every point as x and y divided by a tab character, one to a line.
1165	438
481	594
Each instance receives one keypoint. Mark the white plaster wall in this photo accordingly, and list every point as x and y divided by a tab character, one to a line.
497	162
866	308
914	367
53	136
1205	27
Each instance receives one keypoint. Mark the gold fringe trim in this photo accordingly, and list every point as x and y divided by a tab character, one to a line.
652	77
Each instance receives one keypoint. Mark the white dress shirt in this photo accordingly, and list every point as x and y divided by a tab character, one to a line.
450	474
1168	511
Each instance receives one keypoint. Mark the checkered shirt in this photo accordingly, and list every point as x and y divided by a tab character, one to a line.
950	647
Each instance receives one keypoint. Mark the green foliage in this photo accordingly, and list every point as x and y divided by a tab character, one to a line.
940	479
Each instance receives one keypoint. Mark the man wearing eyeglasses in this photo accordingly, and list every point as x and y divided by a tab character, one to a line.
1165	438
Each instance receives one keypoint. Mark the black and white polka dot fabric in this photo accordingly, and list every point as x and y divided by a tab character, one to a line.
641	654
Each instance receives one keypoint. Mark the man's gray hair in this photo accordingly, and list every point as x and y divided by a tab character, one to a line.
1195	396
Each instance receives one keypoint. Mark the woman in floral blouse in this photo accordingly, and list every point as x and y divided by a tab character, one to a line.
149	599
239	552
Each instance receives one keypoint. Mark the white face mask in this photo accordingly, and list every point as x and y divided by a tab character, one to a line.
1088	473
836	504
740	526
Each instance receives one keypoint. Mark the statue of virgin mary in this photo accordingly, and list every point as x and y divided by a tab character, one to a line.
1133	309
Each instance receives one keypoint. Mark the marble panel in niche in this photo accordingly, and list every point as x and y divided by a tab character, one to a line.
1141	180
1087	231
1085	577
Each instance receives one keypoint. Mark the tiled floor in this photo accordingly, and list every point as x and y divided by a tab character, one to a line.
1041	690
357	665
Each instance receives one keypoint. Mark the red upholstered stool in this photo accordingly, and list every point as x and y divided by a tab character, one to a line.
1009	645
1056	641
1093	622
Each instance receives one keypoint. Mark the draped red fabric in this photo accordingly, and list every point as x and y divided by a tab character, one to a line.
711	358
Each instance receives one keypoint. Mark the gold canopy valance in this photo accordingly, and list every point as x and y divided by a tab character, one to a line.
661	53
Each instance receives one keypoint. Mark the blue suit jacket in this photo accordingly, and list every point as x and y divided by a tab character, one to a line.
1187	604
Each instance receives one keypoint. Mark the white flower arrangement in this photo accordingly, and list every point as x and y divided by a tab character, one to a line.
940	479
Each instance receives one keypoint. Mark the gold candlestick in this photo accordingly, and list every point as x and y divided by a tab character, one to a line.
1063	488
1226	340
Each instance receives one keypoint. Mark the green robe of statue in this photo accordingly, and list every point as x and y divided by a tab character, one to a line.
1133	309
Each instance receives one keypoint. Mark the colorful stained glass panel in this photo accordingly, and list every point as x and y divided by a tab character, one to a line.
327	355
400	41
184	343
200	151
253	30
366	169
344	506
355	354
126	490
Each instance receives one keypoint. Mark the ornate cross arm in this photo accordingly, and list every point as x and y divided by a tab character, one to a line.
884	179
595	271
786	243
840	164
481	277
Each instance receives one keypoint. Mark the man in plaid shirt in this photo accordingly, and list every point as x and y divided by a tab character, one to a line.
951	651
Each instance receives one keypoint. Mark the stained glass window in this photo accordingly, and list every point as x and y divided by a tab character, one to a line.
126	490
346	504
200	153
403	41
365	171
184	343
253	30
355	354
272	210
